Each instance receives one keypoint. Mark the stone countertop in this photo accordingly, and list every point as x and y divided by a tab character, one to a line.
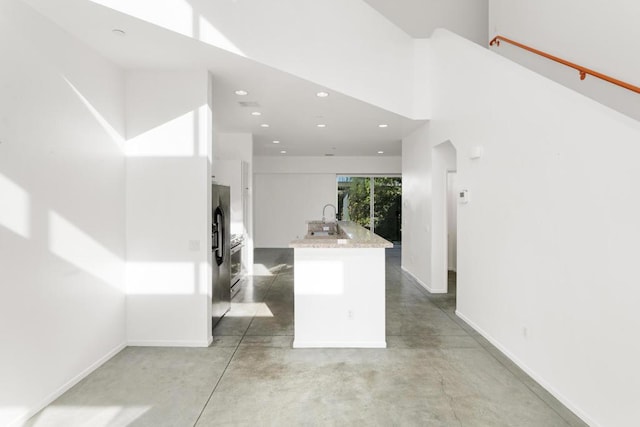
351	235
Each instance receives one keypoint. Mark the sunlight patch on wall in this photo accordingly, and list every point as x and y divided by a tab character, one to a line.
162	278
9	414
80	249
204	278
204	119
211	35
168	139
321	277
175	15
110	130
15	213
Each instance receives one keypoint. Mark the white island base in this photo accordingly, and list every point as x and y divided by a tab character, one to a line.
339	297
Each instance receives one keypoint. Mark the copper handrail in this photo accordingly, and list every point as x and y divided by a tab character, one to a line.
582	70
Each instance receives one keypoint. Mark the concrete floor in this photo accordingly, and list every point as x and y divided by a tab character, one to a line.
436	371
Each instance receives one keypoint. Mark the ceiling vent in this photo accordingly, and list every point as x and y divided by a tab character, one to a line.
249	104
329	154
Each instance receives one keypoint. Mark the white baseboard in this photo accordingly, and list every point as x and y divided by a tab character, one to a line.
169	343
538	378
339	344
421	283
66	386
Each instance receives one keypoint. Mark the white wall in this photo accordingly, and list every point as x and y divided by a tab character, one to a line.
291	190
467	18
229	173
168	208
234	146
546	257
336	165
62	303
416	205
284	202
375	57
599	35
231	151
422	70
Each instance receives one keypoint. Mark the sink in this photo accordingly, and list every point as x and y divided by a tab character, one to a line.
321	228
318	235
326	235
324	230
321	233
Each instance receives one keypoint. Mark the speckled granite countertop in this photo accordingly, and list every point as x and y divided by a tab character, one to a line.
351	235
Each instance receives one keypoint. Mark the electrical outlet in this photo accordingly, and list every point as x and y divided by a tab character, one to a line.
350	314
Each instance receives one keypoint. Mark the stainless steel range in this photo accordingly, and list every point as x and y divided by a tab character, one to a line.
237	244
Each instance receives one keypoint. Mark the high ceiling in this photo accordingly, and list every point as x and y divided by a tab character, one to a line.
288	104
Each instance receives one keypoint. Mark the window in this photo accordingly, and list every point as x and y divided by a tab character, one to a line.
373	202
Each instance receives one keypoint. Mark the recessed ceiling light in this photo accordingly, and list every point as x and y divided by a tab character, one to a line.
321	125
256	113
242	92
322	94
380	152
283	152
119	32
383	126
276	142
264	125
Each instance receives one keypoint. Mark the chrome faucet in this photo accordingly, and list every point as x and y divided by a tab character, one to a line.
335	211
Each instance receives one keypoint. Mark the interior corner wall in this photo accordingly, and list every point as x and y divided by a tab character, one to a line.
288	191
168	207
547	245
62	303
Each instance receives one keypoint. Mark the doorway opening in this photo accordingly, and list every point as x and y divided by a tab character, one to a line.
452	232
374	202
444	248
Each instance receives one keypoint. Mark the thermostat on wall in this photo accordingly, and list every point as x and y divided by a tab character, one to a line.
463	196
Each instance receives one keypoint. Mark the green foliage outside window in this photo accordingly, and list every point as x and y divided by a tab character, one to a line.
354	197
388	208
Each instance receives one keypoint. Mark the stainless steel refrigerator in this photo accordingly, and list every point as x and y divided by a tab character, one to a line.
221	262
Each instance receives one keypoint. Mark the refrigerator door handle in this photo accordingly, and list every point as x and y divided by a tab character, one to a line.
214	237
218	235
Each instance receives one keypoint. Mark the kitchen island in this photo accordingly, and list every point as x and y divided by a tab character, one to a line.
339	287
